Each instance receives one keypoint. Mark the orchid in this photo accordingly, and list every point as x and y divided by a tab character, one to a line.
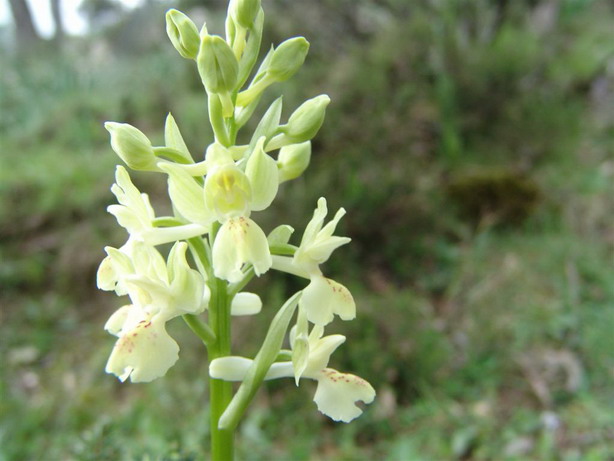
218	245
159	291
228	191
135	214
323	297
336	393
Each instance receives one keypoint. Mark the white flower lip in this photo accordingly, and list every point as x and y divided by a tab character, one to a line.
239	241
323	298
337	394
144	351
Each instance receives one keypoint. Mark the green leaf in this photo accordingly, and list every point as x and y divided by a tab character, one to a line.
268	124
262	362
173	138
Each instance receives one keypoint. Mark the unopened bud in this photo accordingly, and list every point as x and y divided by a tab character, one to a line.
287	59
293	160
183	34
245	12
305	122
132	146
217	65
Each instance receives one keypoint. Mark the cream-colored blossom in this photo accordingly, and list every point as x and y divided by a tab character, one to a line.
336	394
323	298
159	291
135	214
240	241
318	241
144	350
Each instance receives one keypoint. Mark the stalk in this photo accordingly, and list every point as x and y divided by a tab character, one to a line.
220	392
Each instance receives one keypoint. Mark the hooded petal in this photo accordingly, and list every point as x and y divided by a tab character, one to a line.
337	394
134	213
128	195
321	250
228	192
112	269
315	225
320	350
143	353
118	319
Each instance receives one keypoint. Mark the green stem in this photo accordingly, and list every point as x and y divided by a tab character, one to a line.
216	336
202	330
220	392
201	254
216	119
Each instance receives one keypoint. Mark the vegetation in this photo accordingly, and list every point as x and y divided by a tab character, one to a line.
480	202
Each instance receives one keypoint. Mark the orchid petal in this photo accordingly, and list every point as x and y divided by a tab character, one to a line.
337	394
323	298
143	353
239	241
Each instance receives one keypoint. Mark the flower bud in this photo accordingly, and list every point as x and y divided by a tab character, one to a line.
217	65
305	122
288	58
183	34
293	160
245	11
132	146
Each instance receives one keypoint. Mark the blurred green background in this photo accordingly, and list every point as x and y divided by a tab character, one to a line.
472	144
